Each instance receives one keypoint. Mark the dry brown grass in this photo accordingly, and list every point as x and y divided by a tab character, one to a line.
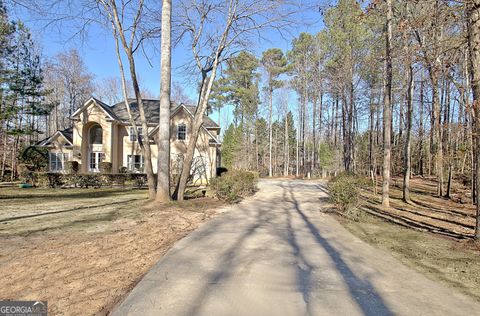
427	211
440	243
84	260
448	260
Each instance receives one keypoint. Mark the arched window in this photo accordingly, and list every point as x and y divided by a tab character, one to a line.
96	134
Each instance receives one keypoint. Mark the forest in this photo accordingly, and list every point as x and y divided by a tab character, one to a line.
384	89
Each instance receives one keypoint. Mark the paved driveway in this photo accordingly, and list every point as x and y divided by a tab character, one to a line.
276	254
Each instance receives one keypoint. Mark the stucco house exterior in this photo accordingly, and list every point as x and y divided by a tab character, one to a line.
103	133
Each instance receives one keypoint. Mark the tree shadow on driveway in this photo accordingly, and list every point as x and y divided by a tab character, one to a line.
364	293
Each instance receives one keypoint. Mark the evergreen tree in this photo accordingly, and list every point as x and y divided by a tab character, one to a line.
274	63
231	146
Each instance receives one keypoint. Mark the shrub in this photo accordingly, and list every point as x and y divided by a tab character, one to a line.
73	166
35	157
114	179
106	167
49	179
234	185
89	180
345	192
26	173
139	179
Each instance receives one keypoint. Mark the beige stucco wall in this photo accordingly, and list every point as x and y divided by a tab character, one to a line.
205	153
90	116
133	148
117	145
60	145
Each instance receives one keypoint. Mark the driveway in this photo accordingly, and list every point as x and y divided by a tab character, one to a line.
277	254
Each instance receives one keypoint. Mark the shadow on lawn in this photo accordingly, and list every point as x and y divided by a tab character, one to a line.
65	211
55	194
85	222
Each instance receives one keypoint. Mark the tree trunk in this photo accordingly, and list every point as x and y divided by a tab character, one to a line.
118	33
205	90
314	136
420	129
163	140
370	133
286	149
297	162
473	10
270	133
387	108
407	154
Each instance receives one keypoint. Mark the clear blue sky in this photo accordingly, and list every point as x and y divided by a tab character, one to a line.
98	50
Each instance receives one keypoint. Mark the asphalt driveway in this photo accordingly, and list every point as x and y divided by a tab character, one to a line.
277	254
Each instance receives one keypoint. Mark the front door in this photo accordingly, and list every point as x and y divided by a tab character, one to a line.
94	161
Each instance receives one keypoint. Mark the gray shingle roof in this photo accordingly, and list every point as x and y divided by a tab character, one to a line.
67	133
152	108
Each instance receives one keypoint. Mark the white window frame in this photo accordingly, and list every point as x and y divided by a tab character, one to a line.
133	137
131	164
185	132
98	159
58	160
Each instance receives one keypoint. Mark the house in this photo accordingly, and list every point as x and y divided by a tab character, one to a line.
103	133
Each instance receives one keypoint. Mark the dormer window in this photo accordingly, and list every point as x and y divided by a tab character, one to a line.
181	132
133	137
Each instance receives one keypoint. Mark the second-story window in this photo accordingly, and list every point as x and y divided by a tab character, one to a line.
133	137
181	132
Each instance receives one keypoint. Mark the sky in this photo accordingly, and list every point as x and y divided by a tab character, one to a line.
98	50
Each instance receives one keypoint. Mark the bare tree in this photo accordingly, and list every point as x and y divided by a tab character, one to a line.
473	13
387	107
116	18
179	95
163	183
70	83
408	137
215	30
109	90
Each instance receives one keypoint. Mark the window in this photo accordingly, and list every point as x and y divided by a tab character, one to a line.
96	134
57	161
133	137
135	163
181	132
95	159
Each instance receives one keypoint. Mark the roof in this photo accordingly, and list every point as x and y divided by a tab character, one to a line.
66	133
105	107
152	108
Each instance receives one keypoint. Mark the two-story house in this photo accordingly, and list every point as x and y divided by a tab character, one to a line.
103	133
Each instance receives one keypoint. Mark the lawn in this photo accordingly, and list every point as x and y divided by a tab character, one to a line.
84	249
26	211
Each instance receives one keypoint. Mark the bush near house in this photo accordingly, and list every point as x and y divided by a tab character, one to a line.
73	166
106	167
233	185
87	180
345	192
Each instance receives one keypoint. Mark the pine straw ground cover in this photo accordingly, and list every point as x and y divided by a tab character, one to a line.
453	217
84	250
431	235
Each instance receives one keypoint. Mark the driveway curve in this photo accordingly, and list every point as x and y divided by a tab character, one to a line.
277	254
